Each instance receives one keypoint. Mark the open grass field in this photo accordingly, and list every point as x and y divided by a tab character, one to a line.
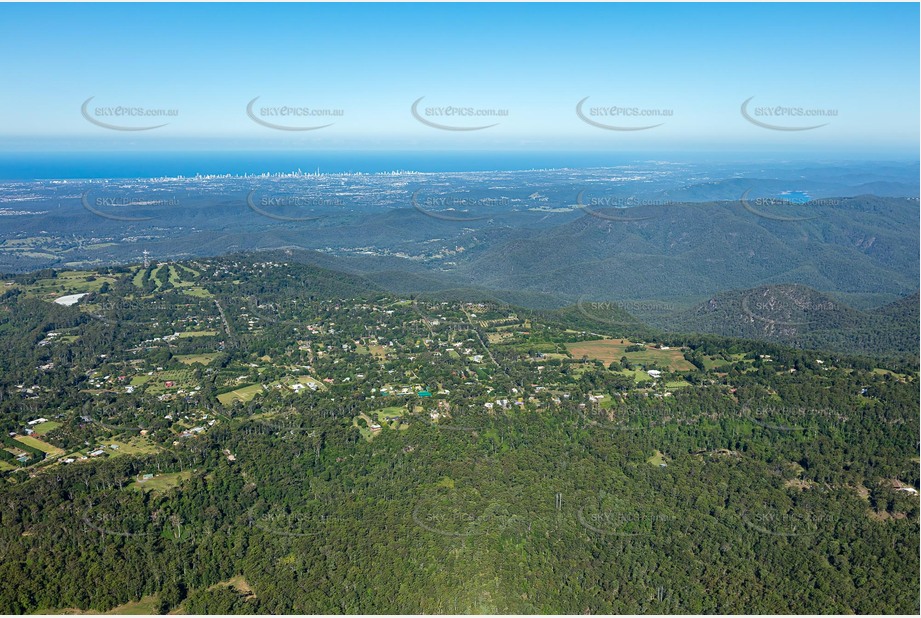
237	583
160	482
40	445
197	292
181	378
43	428
5	466
393	413
145	606
711	362
191	359
638	375
378	351
197	333
67	282
136	445
311	380
364	427
245	394
608	350
138	277
188	271
657	459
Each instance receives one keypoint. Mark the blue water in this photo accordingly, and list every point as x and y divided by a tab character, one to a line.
796	197
68	165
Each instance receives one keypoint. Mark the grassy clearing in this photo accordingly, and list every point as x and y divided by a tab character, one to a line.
137	445
181	379
138	278
197	333
608	350
886	372
68	282
711	362
160	482
190	271
197	292
365	429
638	375
40	445
237	583
43	428
244	395
311	380
191	359
657	459
145	606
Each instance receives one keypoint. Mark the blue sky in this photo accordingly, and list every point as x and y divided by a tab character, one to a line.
698	62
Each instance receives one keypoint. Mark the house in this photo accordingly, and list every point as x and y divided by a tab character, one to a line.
654	373
38	420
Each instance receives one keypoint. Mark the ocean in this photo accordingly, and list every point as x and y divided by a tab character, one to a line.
152	164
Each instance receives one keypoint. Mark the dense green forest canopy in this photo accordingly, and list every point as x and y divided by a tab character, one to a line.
235	435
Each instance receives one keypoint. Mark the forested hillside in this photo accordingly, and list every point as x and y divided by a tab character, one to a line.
244	436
